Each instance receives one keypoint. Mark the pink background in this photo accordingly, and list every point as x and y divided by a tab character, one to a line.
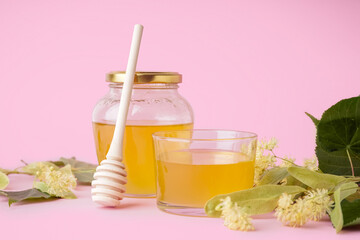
246	65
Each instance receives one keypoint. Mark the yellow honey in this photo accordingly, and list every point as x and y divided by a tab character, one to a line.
190	178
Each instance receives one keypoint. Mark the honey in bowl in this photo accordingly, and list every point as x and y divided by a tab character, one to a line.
190	178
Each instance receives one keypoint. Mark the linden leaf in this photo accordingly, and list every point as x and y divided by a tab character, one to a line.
347	189
273	176
315	179
69	195
84	176
75	164
336	215
257	200
43	187
4	180
17	196
314	119
338	138
336	162
351	212
291	181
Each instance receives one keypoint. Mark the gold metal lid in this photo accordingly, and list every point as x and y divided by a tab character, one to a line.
146	77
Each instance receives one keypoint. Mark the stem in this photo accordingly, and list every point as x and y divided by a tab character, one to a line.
4	170
356	179
351	164
8	172
283	159
24	162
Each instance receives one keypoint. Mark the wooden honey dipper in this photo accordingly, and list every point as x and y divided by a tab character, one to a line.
109	181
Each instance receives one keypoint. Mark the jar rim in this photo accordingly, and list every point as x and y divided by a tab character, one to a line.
145	77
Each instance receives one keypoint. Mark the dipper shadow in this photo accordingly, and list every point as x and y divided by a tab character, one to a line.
127	205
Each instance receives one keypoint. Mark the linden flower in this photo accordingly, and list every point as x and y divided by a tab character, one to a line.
59	182
285	201
41	169
312	206
319	202
262	163
235	217
311	163
37	168
269	145
290	213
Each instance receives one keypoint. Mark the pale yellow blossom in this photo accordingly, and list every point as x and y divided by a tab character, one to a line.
59	182
37	168
269	145
318	202
291	213
41	170
285	201
235	217
263	161
312	206
311	163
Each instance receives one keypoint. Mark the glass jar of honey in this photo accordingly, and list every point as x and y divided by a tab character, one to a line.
155	105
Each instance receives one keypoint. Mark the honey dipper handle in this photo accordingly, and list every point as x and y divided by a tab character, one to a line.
115	151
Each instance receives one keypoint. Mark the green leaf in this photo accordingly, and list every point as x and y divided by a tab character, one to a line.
84	176
351	212
273	176
17	196
342	192
315	120
336	215
257	200
336	162
291	181
347	189
338	138
315	179
4	180
69	195
43	187
75	164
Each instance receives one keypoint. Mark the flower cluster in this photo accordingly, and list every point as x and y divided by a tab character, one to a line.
312	206
269	145
59	182
264	161
235	217
311	163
